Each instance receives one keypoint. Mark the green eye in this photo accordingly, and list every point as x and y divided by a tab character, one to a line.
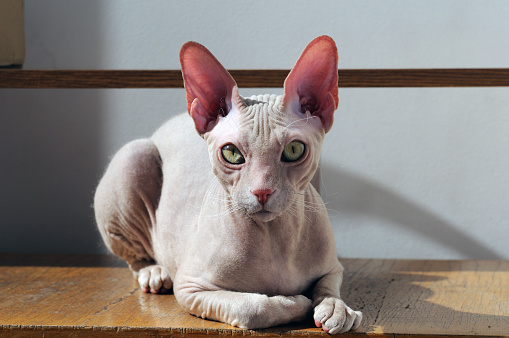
232	154
293	151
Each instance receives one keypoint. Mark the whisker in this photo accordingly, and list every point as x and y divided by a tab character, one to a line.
210	196
233	124
316	206
228	211
322	183
295	209
306	119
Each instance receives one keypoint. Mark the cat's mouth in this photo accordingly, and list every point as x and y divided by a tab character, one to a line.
264	215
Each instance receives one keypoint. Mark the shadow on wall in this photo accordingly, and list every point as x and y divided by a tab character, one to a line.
48	145
359	195
50	139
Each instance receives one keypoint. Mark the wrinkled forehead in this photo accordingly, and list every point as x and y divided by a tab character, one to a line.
261	118
261	122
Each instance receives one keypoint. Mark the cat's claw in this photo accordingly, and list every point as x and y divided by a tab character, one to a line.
154	279
334	316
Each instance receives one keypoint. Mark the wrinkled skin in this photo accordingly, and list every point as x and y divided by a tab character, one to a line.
237	242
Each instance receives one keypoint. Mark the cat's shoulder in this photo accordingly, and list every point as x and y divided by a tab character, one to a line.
178	133
179	128
176	124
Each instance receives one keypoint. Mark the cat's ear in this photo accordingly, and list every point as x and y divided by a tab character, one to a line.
209	86
312	85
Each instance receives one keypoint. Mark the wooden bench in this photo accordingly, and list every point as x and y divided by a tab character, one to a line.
66	295
87	295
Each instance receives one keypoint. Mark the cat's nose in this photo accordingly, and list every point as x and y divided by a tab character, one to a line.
263	195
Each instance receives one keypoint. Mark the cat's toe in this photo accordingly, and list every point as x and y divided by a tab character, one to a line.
334	316
154	279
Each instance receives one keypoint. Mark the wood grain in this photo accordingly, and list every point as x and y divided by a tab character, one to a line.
399	298
256	78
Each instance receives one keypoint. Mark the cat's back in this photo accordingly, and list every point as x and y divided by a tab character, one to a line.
185	160
179	144
186	174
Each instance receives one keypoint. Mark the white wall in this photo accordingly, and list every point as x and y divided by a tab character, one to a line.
407	172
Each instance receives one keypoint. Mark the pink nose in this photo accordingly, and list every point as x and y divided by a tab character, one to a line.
263	195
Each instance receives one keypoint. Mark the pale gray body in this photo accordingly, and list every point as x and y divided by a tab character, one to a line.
182	217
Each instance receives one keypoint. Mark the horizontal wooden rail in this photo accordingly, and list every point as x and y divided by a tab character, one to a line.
257	78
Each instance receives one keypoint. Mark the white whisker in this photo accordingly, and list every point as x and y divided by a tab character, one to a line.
314	207
233	124
220	202
306	120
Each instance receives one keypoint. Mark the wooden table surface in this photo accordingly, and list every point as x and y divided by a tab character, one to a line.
56	295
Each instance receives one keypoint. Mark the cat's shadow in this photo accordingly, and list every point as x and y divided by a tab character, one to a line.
352	194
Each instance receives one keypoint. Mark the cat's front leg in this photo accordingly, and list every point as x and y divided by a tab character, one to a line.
154	279
330	311
244	310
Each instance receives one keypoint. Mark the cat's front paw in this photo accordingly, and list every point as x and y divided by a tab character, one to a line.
334	316
154	279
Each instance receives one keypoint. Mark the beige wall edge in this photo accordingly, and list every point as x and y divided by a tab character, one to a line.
12	33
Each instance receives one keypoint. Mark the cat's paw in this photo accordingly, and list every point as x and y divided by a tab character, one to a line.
334	316
154	279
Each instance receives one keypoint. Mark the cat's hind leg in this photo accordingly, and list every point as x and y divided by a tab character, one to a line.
125	202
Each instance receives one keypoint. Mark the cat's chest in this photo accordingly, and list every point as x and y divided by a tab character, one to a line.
268	261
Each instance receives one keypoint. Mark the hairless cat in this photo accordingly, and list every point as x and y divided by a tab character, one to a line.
218	206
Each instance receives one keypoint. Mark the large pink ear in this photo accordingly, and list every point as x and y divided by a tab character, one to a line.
312	85
208	86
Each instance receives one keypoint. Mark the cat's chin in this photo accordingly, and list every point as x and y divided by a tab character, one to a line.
264	215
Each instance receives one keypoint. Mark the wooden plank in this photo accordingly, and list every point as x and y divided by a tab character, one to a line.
399	298
258	78
11	78
438	298
365	78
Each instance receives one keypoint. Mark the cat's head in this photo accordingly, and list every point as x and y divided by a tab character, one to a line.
264	149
